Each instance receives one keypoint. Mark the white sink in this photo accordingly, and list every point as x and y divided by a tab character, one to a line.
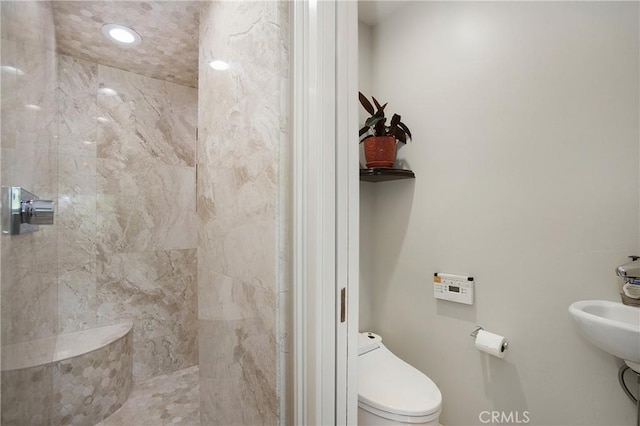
611	326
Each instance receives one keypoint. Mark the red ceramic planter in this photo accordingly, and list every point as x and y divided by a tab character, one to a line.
380	151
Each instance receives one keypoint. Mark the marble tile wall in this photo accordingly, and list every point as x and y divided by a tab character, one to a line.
157	289
127	234
242	169
77	176
28	158
116	153
27	396
28	151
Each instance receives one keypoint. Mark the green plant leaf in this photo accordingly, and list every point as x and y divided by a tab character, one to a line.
377	123
406	129
373	120
380	129
365	103
395	120
380	107
400	134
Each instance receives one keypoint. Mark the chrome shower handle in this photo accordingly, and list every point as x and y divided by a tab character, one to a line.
37	212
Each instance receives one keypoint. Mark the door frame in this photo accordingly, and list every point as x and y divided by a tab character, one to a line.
325	211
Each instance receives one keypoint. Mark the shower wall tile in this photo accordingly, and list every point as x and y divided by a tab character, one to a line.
145	206
233	403
76	216
126	199
77	102
145	119
27	153
223	298
76	227
32	310
145	219
238	385
28	114
241	194
240	136
29	286
35	109
76	210
37	16
239	348
164	354
241	110
237	222
9	92
27	396
77	298
28	158
34	170
157	290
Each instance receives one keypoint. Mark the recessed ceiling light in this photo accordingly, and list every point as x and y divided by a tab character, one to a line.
33	107
121	35
219	65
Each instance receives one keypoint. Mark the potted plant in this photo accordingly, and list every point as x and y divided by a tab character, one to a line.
380	139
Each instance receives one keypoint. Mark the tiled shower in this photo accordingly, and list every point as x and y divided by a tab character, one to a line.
196	268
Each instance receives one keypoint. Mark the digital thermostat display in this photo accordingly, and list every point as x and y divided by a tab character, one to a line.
454	288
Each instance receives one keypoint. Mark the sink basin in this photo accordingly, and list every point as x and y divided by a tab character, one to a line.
611	326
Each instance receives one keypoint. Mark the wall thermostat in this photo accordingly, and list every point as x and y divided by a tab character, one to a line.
454	288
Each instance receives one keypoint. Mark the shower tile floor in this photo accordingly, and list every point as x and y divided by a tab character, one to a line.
169	399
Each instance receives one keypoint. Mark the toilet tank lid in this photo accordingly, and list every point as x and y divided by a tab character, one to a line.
388	383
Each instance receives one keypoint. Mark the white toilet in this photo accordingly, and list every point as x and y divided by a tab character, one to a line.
390	391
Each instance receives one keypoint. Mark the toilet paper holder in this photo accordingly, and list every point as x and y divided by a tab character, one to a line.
474	334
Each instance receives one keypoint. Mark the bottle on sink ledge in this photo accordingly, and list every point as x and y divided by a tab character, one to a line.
630	289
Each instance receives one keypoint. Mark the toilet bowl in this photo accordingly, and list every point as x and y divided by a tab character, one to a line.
390	391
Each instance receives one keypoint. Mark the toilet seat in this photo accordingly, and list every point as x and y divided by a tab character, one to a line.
390	388
399	417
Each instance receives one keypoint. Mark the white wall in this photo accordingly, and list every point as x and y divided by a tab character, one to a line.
525	122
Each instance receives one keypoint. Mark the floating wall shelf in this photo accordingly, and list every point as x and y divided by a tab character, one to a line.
384	174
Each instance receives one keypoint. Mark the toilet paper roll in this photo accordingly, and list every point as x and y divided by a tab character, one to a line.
491	343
